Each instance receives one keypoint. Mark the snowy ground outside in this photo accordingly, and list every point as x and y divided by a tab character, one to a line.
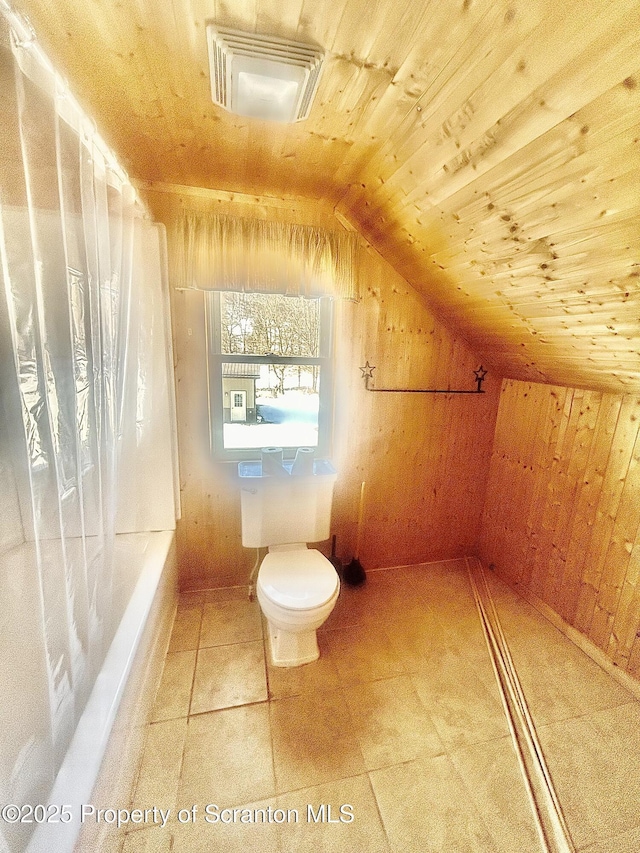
291	420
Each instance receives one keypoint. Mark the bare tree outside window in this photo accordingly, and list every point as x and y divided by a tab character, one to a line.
271	348
273	325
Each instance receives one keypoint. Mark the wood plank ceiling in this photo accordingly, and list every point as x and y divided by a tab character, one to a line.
490	149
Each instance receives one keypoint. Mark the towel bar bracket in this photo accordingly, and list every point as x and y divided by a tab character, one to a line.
480	374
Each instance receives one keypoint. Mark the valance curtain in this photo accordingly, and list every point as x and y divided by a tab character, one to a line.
218	252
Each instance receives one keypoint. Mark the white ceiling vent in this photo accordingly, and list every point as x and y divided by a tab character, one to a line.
262	76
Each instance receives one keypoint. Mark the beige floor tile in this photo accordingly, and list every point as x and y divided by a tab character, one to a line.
227	676
491	774
351	807
464	632
390	722
226	593
383	591
186	628
244	828
352	608
462	698
511	605
429	574
174	693
445	586
419	641
191	598
153	840
313	741
391	596
593	761
232	621
362	653
626	842
446	592
568	688
160	769
559	680
425	807
404	668
228	758
301	680
501	591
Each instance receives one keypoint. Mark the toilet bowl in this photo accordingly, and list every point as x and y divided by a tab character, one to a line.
297	586
297	589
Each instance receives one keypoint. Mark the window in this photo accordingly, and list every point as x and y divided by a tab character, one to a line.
270	373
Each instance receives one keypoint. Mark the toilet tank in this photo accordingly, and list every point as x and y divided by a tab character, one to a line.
282	510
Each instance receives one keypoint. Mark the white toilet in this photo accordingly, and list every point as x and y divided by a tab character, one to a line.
297	586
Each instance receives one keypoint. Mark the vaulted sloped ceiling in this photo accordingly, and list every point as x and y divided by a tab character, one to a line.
490	149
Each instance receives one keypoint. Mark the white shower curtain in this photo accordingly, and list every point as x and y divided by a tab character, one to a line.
85	410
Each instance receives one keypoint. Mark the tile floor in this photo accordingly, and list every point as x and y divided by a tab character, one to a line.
399	723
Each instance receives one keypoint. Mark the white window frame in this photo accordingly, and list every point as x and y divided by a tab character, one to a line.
216	358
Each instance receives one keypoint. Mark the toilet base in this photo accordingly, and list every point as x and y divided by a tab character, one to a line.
287	648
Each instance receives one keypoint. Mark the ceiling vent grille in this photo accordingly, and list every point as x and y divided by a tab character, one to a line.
262	76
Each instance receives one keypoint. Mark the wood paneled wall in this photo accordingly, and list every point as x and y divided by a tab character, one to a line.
423	457
562	512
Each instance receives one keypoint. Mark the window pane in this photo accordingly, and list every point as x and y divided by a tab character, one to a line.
258	324
270	404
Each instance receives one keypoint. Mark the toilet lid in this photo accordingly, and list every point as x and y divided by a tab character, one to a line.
298	580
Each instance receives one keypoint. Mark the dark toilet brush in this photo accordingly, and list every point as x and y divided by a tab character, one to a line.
353	573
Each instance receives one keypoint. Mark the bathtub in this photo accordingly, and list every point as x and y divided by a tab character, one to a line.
102	759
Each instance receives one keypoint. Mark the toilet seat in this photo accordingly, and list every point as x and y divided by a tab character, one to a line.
298	579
